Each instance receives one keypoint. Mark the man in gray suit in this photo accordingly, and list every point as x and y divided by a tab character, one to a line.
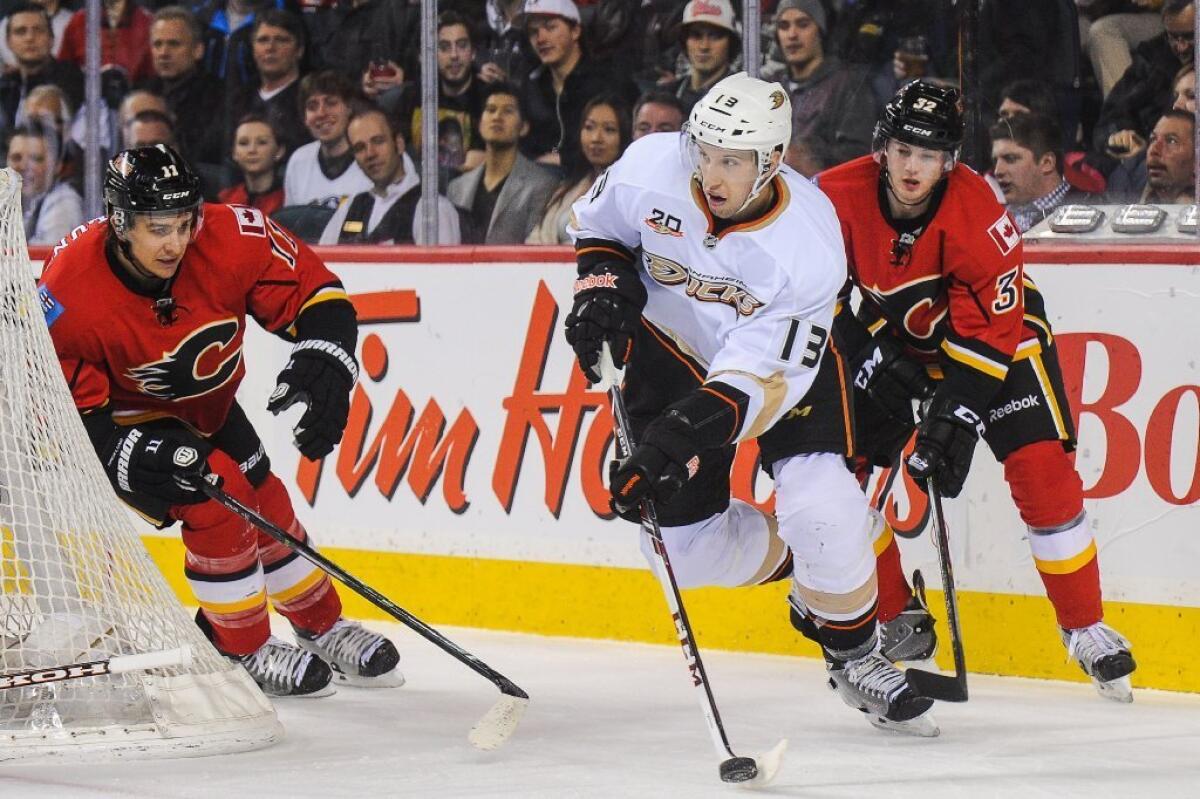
505	196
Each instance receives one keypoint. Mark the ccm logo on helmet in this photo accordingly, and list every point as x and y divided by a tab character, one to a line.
176	195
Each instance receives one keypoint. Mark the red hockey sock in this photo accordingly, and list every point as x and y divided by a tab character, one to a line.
300	591
894	591
1075	596
222	566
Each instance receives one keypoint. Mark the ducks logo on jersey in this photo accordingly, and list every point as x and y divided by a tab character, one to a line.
704	288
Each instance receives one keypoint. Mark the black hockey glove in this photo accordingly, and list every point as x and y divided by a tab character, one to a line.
164	464
891	378
945	444
608	307
320	375
666	459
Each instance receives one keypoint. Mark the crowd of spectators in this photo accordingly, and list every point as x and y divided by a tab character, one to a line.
310	109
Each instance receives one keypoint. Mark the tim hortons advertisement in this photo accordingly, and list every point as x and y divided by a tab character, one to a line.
472	434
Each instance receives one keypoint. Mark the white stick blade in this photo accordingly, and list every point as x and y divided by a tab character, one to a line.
152	660
498	723
768	766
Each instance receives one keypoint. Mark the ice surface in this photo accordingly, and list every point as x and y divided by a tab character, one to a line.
621	720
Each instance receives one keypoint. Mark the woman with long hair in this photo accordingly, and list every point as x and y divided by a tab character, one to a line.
603	135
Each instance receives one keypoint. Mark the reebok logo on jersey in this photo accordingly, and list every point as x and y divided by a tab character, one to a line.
1005	234
704	288
1014	406
605	281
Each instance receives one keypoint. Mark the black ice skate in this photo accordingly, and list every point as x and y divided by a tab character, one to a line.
1103	654
879	689
358	657
910	637
282	669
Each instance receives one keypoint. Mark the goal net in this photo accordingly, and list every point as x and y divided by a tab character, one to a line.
77	585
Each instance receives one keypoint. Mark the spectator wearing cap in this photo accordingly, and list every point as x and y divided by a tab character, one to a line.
711	41
59	17
1027	162
31	38
657	111
277	42
1136	102
505	195
124	39
557	90
833	106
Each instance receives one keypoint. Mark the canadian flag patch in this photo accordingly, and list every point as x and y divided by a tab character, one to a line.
1004	232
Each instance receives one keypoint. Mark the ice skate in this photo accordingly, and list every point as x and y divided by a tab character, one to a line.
282	669
879	689
910	637
1103	654
357	656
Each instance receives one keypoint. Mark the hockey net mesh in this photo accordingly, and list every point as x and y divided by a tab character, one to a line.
76	584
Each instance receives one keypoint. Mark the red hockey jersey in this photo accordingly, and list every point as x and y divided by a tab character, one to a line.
116	351
954	291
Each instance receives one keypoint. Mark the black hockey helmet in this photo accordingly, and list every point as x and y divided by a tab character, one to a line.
148	180
924	115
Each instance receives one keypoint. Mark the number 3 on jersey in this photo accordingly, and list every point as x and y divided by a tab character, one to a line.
1007	291
811	346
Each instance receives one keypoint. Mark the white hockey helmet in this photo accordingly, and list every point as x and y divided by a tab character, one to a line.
744	113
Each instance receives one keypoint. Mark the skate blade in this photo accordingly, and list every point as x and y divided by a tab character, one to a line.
390	679
1118	690
328	690
923	726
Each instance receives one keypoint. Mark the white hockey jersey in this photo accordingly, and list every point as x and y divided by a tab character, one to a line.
753	303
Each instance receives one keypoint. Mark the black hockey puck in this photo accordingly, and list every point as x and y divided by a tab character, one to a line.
739	769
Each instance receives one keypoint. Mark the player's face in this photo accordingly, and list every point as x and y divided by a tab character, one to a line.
554	39
1169	156
159	241
276	52
726	177
1185	93
27	155
29	37
454	54
326	116
707	48
913	172
500	123
1017	172
376	148
173	50
656	118
255	149
600	137
799	37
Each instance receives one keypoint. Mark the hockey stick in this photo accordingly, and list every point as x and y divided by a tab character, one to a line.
498	723
98	668
939	686
745	770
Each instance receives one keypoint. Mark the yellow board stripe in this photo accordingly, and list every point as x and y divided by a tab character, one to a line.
311	579
974	360
627	605
1068	566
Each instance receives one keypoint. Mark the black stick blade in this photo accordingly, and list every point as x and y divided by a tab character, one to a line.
937	686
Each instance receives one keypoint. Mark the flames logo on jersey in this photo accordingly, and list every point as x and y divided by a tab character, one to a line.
923	302
705	289
177	375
